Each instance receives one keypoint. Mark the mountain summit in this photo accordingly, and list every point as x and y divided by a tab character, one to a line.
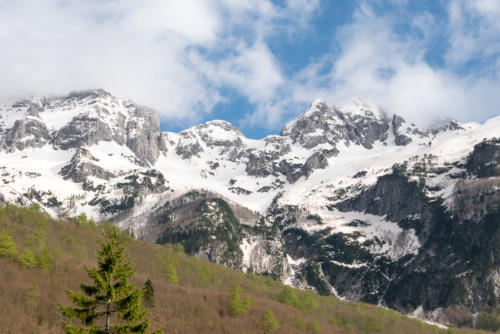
346	200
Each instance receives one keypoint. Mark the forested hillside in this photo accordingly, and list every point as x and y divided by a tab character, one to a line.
40	258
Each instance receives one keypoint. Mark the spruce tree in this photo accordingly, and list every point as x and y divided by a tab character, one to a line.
111	304
149	293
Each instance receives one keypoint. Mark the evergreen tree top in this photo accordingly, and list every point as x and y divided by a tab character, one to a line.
111	304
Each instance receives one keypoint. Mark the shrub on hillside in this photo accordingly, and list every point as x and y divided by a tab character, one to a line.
288	297
459	315
7	245
313	327
302	302
237	304
27	258
169	263
268	322
489	320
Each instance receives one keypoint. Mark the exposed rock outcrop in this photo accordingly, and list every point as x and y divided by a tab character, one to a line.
82	131
484	161
399	138
143	134
82	166
27	132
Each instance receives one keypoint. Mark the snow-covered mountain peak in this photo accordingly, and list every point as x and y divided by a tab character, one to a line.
58	111
358	107
89	93
317	105
311	119
454	125
215	154
358	123
219	129
78	119
345	192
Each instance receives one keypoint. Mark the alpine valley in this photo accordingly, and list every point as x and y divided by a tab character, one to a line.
348	201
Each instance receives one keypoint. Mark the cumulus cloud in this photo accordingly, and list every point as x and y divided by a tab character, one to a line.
132	49
379	64
163	53
181	57
474	30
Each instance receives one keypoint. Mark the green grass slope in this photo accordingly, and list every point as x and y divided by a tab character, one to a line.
40	258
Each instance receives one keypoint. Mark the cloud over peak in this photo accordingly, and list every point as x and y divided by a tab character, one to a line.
186	58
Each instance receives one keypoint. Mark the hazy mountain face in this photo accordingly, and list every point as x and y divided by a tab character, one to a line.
348	200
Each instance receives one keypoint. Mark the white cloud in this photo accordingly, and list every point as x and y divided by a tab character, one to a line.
474	30
180	56
196	21
132	49
143	50
378	64
252	70
487	7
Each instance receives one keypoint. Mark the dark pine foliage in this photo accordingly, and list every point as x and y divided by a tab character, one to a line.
149	293
112	304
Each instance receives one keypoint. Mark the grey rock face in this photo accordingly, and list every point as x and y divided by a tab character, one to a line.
309	129
165	142
321	124
319	160
188	146
451	125
89	93
396	198
210	227
143	137
128	124
293	172
400	138
277	144
366	131
34	110
484	161
438	275
260	165
81	167
219	135
27	132
82	130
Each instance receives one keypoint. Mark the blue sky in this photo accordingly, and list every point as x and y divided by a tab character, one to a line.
259	63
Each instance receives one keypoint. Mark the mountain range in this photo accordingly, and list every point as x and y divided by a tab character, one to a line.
349	200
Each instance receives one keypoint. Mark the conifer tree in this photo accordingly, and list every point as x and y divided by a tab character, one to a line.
149	293
112	304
